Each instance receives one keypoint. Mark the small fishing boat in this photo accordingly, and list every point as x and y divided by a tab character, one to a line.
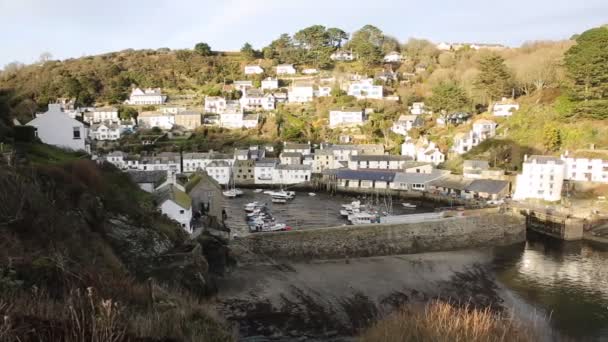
363	218
312	194
249	207
408	205
279	200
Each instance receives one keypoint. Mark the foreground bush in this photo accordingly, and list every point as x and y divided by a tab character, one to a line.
440	321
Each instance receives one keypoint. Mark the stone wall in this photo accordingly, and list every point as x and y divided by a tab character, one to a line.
390	239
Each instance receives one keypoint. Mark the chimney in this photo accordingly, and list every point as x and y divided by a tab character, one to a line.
592	147
525	158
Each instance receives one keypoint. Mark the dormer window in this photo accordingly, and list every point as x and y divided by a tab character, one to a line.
76	133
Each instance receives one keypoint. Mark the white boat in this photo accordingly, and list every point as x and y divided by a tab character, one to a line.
232	193
283	194
408	205
253	206
257	191
352	205
279	200
312	194
363	218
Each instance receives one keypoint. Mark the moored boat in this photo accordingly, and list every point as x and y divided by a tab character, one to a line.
408	205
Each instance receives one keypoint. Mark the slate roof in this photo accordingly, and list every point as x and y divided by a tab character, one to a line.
366	175
266	162
153	177
418	178
490	186
293	146
171	192
294	167
218	163
452	182
476	164
291	154
379	158
544	160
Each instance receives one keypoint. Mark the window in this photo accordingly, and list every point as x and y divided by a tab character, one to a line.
76	132
181	211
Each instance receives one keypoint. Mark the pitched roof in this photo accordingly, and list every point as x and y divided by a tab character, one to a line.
291	154
386	176
294	167
451	182
476	164
171	192
154	177
543	160
266	162
417	178
379	158
295	146
218	163
490	186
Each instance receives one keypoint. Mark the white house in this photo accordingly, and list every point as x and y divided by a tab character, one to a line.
392	57
263	170
345	117
504	108
291	174
101	114
405	123
422	150
300	93
286	69
156	119
357	162
242	85
251	120
310	71
365	89
231	119
254	99
291	158
585	169
486	128
303	149
55	127
253	70
443	46
148	96
215	104
542	178
323	91
418	108
474	169
176	204
219	170
270	83
105	131
342	56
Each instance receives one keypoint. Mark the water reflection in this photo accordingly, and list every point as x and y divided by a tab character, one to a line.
566	281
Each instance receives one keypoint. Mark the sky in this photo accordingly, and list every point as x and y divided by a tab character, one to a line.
74	28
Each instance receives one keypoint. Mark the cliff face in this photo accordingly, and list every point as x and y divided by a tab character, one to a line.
71	226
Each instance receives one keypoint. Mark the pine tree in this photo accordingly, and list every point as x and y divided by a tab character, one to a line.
494	80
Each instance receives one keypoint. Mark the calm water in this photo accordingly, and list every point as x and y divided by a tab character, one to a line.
566	283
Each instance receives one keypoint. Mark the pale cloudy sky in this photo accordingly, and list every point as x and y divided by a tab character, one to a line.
72	28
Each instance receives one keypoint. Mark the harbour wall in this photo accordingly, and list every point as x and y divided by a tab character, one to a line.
489	229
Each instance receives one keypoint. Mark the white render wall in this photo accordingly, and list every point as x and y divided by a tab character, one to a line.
177	213
586	170
540	181
56	128
280	176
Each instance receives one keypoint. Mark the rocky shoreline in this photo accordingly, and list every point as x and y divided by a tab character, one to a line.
291	302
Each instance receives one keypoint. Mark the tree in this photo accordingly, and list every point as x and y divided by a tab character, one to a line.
336	37
448	97
125	112
587	64
552	139
248	51
493	80
367	44
202	49
311	37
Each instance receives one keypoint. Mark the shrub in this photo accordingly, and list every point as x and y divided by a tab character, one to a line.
440	321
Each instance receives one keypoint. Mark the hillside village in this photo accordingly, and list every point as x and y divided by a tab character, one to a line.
369	136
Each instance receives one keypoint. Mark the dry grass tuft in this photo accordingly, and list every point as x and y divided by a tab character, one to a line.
440	321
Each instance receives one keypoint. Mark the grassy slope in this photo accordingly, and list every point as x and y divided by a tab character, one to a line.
57	238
